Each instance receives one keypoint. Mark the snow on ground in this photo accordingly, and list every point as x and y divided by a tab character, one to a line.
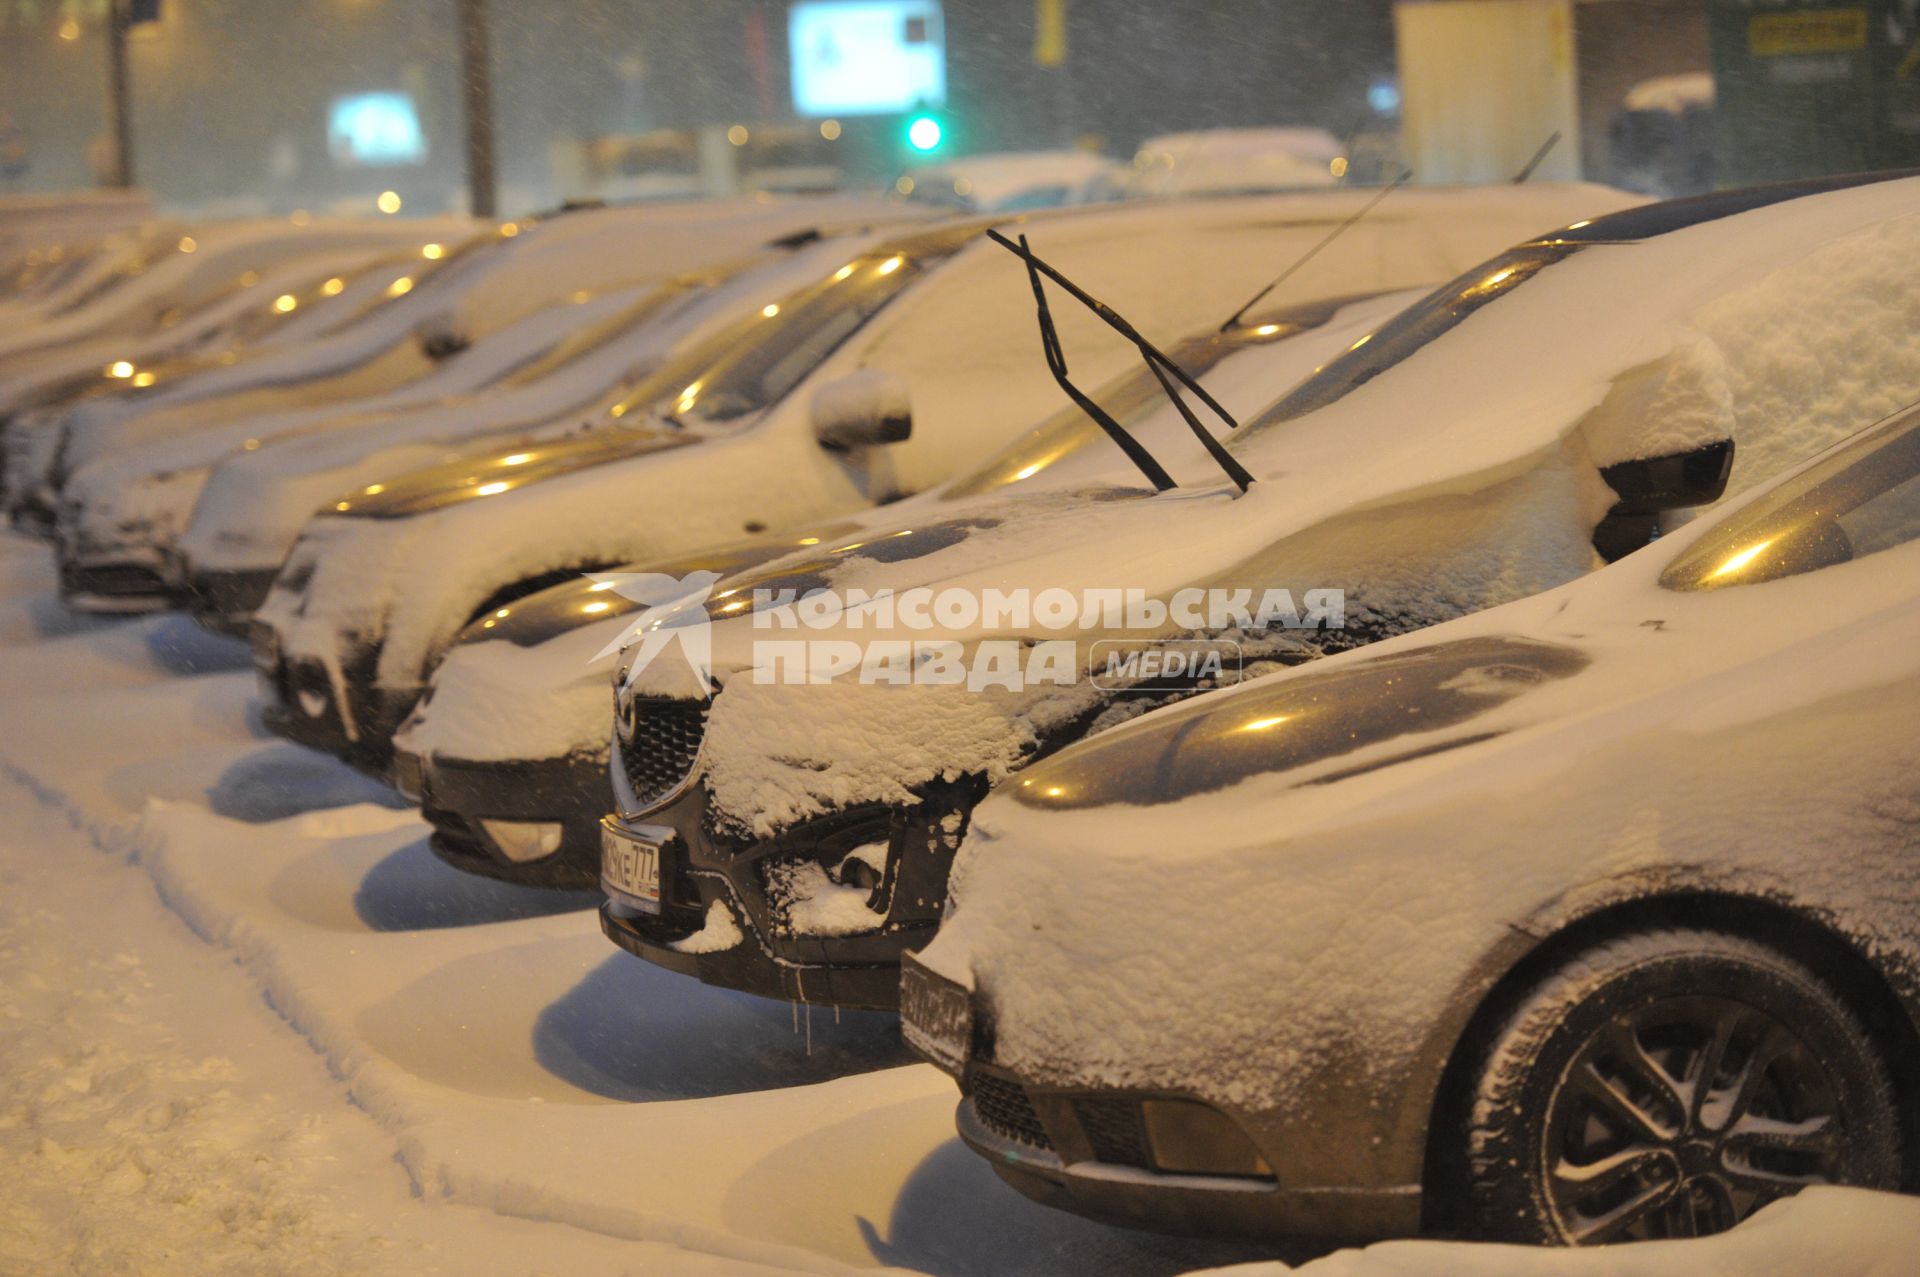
1793	1238
249	1024
157	1117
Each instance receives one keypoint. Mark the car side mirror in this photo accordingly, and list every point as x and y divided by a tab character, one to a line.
1651	486
862	409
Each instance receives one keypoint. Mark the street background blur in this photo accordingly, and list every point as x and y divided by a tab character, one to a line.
240	107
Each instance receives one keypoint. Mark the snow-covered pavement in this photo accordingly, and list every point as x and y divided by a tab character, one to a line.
474	1080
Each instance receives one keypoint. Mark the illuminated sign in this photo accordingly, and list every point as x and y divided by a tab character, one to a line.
375	129
867	57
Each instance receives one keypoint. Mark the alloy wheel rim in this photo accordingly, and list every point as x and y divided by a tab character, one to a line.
1683	1117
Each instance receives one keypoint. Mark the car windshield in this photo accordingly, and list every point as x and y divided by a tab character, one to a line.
1411	330
1131	399
752	363
1864	498
127	271
587	339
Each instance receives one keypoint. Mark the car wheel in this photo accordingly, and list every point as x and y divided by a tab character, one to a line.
1669	1084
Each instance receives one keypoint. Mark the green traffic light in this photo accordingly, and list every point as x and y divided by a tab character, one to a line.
924	133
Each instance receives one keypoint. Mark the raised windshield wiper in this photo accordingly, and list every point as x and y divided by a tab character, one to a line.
1165	371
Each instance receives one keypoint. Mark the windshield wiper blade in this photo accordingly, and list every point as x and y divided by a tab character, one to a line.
1057	364
1156	360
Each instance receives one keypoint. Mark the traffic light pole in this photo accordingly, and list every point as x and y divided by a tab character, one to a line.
120	114
476	66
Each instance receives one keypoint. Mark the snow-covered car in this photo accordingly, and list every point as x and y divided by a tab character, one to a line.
121	513
255	501
792	811
175	294
802	421
201	313
1589	918
67	219
1221	161
507	751
1011	181
31	437
456	297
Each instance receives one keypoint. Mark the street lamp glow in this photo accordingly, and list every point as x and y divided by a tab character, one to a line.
389	202
924	133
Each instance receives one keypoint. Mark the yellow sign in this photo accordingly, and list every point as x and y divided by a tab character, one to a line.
1773	35
1050	32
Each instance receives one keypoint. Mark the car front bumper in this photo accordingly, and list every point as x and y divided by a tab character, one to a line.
353	720
1042	1143
861	970
458	795
224	600
114	584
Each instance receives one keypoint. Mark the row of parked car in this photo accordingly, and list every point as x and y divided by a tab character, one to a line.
1392	755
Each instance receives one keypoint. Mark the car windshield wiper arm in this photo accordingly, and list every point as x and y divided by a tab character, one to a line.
1156	360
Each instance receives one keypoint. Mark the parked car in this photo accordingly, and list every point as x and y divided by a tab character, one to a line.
32	437
171	295
1011	181
201	313
1586	919
1223	161
507	750
67	219
788	832
800	424
458	296
255	501
121	511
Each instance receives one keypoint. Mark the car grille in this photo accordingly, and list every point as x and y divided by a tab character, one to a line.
1115	1130
117	580
659	745
1003	1108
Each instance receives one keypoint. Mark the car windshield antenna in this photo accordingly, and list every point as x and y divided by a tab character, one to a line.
1406	175
1553	140
1165	371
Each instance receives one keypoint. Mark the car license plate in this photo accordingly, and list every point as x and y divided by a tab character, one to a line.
936	1016
630	863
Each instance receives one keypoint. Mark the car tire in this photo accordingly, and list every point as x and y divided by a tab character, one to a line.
1587	1123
